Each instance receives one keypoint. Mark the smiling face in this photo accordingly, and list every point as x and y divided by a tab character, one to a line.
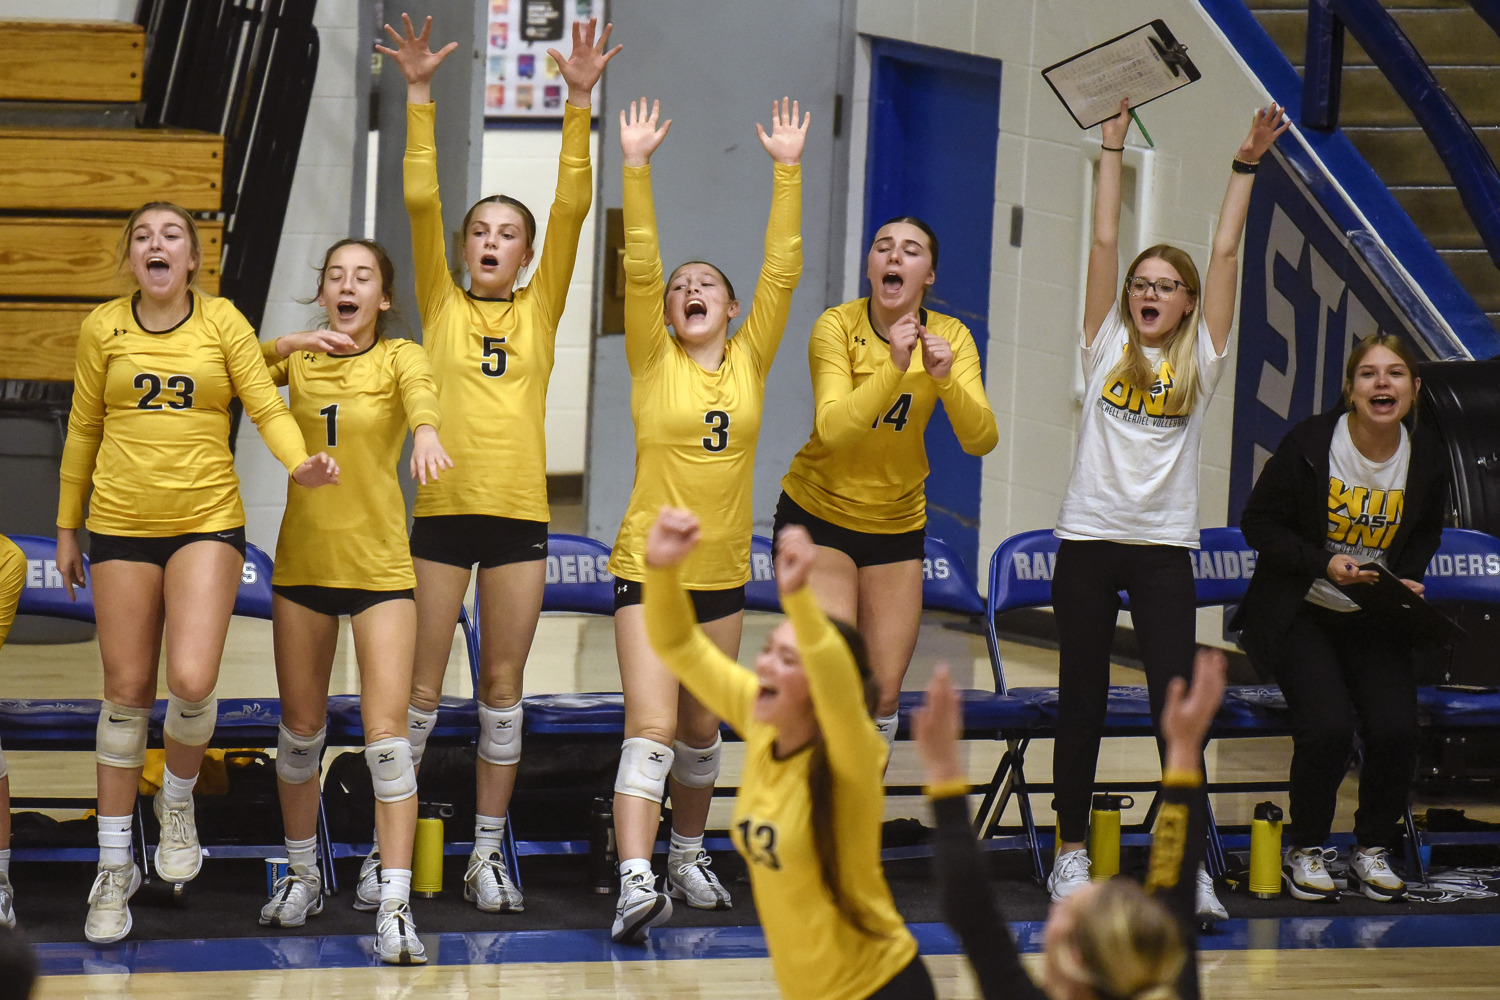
1156	316
699	304
899	267
161	254
1381	388
495	248
352	291
783	700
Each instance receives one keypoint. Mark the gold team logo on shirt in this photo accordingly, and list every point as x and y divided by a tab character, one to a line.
1360	516
1123	400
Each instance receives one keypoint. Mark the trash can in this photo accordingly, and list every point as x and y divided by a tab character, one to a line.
33	420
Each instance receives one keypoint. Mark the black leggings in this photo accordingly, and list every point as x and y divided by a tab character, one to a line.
1340	671
911	983
1086	587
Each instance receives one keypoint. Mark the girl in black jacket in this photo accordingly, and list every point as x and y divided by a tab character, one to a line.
1343	490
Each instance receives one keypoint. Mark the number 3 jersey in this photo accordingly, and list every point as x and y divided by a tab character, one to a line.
492	358
815	951
865	466
356	407
696	430
150	421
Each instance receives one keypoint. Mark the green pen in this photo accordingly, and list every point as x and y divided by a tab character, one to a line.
1142	125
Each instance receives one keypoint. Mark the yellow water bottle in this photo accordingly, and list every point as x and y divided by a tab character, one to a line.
427	858
1104	835
1265	851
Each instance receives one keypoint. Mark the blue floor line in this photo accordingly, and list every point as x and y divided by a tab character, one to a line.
494	947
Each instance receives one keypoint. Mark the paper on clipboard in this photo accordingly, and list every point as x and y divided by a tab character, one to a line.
1142	64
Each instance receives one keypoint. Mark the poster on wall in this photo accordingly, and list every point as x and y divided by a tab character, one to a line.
521	79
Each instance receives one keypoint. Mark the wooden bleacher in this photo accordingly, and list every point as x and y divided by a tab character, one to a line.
65	191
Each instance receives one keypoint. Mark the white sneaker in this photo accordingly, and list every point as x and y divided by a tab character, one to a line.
297	896
367	889
179	856
1070	872
396	941
7	903
1206	900
487	885
1305	870
689	879
639	909
109	903
1371	871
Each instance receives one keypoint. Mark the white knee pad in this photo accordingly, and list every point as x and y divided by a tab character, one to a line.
886	726
120	740
695	767
191	723
644	766
419	725
500	734
297	757
391	771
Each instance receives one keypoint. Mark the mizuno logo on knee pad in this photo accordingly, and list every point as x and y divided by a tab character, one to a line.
657	757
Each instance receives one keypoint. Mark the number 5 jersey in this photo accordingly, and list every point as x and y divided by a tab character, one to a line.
696	430
150	422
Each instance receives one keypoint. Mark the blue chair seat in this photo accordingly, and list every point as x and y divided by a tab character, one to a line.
985	713
34	723
569	714
457	721
1458	709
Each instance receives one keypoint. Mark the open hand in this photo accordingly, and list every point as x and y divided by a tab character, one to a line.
70	561
428	458
904	336
936	727
795	555
319	470
672	537
1188	713
1265	129
937	355
585	64
1115	129
787	137
413	53
316	341
639	135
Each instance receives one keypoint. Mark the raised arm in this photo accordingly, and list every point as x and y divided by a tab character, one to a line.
1222	279
575	185
645	326
766	323
1103	284
721	685
419	172
956	370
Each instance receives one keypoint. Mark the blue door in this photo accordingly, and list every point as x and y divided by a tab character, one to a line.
934	127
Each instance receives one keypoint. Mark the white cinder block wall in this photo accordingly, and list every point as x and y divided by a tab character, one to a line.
1036	290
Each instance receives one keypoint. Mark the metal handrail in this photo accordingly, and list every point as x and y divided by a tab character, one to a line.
1468	161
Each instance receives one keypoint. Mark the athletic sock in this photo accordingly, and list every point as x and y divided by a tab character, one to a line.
489	835
303	852
177	791
5	863
681	846
114	840
633	866
395	885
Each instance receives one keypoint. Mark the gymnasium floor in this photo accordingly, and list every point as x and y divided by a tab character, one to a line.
1422	951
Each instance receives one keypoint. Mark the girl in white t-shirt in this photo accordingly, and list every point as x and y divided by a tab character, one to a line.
1153	352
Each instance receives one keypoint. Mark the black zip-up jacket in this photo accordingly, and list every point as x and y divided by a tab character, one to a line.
1286	522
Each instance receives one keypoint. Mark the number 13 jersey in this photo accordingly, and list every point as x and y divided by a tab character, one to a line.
696	430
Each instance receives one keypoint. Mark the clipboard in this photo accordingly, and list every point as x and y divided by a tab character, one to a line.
1395	602
1143	64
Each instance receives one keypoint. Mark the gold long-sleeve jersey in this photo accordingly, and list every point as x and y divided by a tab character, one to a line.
356	407
492	358
696	430
12	582
865	465
815	951
150	422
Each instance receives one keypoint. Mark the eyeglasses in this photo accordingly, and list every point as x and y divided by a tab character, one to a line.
1165	287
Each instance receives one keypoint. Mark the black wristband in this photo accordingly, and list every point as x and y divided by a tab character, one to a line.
1113	149
1240	166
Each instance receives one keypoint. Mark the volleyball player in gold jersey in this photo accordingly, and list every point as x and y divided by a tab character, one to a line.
149	432
879	367
811	799
696	399
12	582
344	551
492	352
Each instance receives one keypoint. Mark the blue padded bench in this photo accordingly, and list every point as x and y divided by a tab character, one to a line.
1465	569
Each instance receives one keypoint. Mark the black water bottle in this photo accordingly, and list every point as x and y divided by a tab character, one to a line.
602	854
